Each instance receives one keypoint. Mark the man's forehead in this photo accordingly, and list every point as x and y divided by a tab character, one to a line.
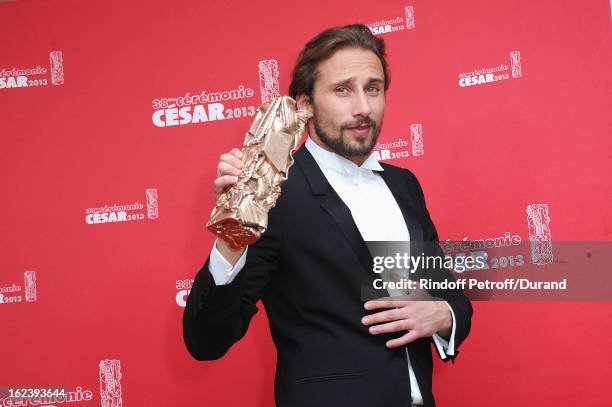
351	65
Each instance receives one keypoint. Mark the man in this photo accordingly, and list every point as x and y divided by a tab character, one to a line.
333	350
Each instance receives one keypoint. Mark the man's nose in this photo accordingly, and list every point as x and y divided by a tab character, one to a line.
361	104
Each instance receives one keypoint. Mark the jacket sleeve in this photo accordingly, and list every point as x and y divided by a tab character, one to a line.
456	299
216	317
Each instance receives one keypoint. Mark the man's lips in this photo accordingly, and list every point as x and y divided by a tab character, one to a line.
360	130
362	127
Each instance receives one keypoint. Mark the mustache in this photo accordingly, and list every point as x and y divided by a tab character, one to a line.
365	122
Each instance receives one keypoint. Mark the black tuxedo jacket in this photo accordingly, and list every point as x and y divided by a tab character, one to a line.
307	269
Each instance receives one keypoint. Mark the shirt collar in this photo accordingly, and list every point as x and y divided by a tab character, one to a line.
338	163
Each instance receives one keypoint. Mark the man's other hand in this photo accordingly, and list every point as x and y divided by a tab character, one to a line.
419	318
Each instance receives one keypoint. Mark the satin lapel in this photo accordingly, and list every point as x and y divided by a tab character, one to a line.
333	205
341	215
406	202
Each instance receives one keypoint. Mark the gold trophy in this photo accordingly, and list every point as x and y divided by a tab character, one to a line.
241	213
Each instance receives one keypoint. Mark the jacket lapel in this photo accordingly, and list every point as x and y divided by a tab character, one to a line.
406	203
341	215
332	204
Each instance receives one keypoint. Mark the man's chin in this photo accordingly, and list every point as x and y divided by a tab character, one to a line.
360	149
362	146
350	145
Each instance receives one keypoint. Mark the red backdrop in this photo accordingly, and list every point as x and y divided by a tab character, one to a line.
96	307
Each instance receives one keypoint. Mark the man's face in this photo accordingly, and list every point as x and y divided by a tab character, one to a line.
349	103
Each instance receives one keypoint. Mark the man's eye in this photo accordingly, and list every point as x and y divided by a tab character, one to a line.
373	89
341	89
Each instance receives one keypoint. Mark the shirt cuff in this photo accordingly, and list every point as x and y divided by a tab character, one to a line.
222	271
446	348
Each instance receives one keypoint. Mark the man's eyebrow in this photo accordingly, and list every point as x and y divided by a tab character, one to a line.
348	80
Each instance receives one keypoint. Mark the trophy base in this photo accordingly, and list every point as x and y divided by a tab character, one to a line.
234	233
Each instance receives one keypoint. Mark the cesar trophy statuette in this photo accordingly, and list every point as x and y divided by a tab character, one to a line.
241	213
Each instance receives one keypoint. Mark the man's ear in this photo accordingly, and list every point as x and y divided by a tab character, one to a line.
303	103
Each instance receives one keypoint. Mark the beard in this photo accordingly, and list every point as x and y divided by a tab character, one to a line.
342	144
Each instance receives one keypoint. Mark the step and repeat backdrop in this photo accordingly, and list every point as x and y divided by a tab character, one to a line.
114	115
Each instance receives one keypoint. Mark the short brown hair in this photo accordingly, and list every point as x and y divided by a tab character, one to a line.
324	45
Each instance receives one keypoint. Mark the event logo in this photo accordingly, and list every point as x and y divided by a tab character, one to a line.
391	150
409	11
506	240
152	211
208	106
480	248
416	136
13	293
126	212
29	278
497	73
515	64
38	76
57	67
540	240
43	396
183	287
405	22
110	383
401	148
110	391
268	79
201	107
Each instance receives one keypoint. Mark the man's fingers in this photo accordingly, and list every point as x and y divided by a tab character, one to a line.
227	169
223	182
231	159
377	304
395	326
384	316
403	340
236	152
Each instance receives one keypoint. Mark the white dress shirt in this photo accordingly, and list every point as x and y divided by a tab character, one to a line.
365	193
